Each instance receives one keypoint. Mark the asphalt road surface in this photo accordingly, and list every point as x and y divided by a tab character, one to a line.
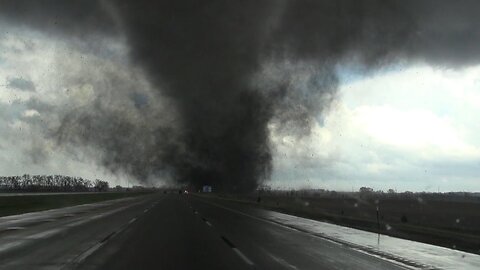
168	231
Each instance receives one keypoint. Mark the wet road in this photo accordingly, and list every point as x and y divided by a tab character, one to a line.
171	232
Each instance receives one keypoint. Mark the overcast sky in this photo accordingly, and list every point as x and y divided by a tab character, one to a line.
41	75
406	127
410	128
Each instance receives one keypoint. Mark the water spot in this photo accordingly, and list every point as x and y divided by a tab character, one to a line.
457	220
355	205
307	203
388	227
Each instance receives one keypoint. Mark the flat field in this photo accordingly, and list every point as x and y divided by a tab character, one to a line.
24	203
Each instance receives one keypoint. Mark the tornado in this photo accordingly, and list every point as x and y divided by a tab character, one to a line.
236	71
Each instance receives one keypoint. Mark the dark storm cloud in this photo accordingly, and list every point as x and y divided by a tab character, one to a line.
78	18
232	67
20	84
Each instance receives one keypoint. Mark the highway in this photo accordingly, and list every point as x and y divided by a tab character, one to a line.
168	231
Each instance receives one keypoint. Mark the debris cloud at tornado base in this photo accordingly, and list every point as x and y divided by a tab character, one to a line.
234	70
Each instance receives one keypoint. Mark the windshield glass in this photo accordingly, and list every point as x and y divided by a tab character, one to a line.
249	134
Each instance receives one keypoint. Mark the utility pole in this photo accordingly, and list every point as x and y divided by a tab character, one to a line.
378	225
378	219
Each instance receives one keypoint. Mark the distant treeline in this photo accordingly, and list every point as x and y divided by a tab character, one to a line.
369	193
50	183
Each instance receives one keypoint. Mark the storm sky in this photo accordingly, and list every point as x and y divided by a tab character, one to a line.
292	94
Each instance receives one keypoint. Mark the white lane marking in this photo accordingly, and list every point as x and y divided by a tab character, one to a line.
324	237
279	260
87	253
78	223
271	222
44	234
91	250
247	215
14	228
241	255
396	262
83	221
208	223
293	229
33	216
7	246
